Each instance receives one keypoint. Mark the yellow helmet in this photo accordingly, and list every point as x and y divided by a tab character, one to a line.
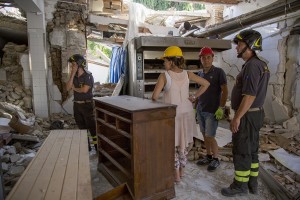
172	51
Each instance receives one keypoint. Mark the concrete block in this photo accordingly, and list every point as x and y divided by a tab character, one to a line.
280	111
75	38
290	78
296	103
24	61
291	124
3	75
58	37
269	114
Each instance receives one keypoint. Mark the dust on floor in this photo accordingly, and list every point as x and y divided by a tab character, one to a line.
197	183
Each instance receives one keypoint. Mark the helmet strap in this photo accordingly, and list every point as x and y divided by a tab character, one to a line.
242	52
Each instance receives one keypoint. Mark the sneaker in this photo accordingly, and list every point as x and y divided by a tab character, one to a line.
213	165
204	161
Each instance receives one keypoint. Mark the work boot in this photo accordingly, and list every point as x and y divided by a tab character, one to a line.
235	189
253	185
206	160
213	165
89	145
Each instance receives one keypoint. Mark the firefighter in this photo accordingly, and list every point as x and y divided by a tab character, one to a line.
81	82
247	99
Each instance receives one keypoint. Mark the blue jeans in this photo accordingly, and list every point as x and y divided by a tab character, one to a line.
208	123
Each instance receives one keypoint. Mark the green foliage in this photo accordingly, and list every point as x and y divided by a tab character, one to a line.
93	47
165	5
198	6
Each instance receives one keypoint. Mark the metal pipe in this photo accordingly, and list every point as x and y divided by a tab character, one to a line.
273	10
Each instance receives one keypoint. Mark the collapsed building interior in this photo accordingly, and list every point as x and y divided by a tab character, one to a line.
37	40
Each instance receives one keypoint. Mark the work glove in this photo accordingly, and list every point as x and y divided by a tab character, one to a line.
219	114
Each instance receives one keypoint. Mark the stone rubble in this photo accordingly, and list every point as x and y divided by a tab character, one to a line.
272	137
28	131
16	105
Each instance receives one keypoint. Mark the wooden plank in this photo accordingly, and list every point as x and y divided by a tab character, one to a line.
41	184
57	180
23	187
84	188
60	170
71	176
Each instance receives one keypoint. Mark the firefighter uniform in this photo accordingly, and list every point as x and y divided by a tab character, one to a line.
83	102
253	81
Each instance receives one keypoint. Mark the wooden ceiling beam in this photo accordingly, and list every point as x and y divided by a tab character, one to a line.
179	13
210	1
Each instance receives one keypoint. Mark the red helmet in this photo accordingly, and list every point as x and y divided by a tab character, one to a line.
206	51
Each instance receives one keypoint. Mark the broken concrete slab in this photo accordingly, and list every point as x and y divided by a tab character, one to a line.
280	110
296	102
269	113
292	124
290	161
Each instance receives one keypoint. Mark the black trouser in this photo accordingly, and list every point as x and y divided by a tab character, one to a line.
85	118
245	146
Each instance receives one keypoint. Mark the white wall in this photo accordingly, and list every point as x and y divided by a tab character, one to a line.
243	7
275	51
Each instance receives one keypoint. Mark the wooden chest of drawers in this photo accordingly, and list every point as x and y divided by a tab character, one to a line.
136	144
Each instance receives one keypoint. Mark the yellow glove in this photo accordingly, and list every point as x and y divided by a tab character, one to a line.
219	114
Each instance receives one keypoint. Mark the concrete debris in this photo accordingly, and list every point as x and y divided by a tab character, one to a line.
16	170
272	137
102	90
14	158
17	156
291	124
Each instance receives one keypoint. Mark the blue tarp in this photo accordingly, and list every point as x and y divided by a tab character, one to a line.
117	63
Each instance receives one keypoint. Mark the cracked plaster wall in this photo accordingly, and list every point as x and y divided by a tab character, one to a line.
282	101
66	36
281	51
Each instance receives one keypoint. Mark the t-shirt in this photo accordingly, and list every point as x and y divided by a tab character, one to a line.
252	80
85	79
209	101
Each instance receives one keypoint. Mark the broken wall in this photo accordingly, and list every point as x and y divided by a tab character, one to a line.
281	51
66	36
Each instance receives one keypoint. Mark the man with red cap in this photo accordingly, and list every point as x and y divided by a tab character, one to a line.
210	107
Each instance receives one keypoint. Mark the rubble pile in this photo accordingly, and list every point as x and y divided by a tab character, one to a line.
16	94
11	61
272	138
105	89
24	135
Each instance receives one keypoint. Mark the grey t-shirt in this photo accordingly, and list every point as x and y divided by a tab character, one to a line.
252	80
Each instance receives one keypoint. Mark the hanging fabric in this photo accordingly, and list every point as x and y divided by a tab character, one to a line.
117	64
